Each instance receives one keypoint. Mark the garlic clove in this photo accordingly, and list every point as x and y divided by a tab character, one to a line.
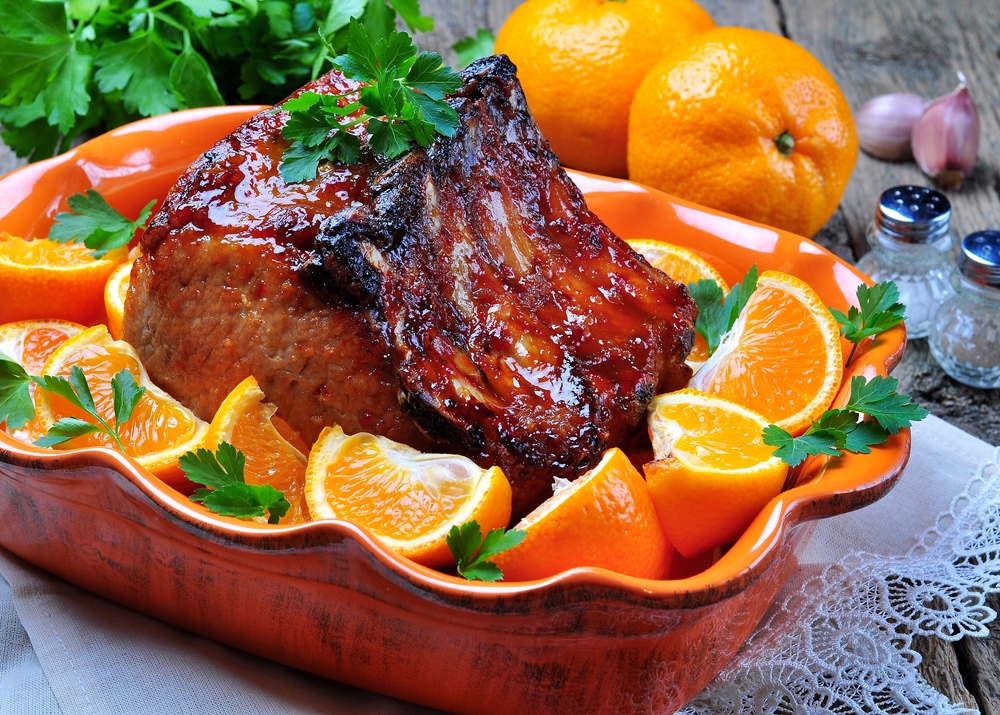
885	124
945	138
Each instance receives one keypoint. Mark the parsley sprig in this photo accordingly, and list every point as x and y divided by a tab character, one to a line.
400	100
879	310
845	429
471	550
227	492
717	314
17	407
94	223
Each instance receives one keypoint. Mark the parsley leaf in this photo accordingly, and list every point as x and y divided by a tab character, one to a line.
66	429
16	405
93	222
793	450
401	100
340	14
717	315
879	310
76	390
866	434
878	398
191	79
37	62
409	10
470	49
471	550
712	316
66	96
139	67
28	21
228	493
845	429
126	394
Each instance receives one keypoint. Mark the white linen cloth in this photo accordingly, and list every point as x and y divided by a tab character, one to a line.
63	650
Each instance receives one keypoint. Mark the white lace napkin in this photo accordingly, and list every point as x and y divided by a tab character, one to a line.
838	639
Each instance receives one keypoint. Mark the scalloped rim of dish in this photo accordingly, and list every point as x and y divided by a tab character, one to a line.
740	566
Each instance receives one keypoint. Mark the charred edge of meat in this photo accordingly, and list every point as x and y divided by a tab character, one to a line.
338	266
438	427
341	270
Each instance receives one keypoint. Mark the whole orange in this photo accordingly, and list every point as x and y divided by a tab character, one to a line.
580	62
745	122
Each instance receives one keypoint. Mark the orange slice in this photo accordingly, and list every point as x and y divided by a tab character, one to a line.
245	421
115	291
30	343
686	267
605	518
45	279
682	264
782	357
161	429
713	473
408	499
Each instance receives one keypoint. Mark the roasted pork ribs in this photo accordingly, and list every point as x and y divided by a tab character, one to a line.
461	298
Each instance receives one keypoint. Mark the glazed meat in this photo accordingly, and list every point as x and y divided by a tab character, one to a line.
462	297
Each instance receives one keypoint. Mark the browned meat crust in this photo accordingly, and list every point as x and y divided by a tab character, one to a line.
467	283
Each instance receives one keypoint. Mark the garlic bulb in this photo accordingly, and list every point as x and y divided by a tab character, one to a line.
886	122
946	137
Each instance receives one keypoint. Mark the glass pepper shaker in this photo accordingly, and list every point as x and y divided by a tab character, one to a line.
965	333
911	244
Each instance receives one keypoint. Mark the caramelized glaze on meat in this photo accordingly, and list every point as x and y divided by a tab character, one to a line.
463	295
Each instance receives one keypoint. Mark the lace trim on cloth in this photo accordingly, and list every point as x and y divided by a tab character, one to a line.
840	640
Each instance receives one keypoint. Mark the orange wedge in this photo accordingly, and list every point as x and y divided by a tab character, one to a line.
713	473
245	421
605	518
45	279
782	357
682	264
161	429
408	499
686	267
30	343
115	291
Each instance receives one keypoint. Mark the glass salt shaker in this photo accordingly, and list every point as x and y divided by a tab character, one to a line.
911	244
965	333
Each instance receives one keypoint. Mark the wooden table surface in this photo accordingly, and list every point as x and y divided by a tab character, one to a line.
873	47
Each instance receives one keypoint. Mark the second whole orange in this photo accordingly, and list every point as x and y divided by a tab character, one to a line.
746	122
580	62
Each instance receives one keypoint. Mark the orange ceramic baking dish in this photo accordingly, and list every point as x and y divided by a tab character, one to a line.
327	597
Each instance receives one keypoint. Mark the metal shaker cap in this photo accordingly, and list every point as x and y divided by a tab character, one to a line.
979	259
913	214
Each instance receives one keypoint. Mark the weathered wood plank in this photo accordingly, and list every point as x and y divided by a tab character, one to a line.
980	662
757	14
456	20
940	667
